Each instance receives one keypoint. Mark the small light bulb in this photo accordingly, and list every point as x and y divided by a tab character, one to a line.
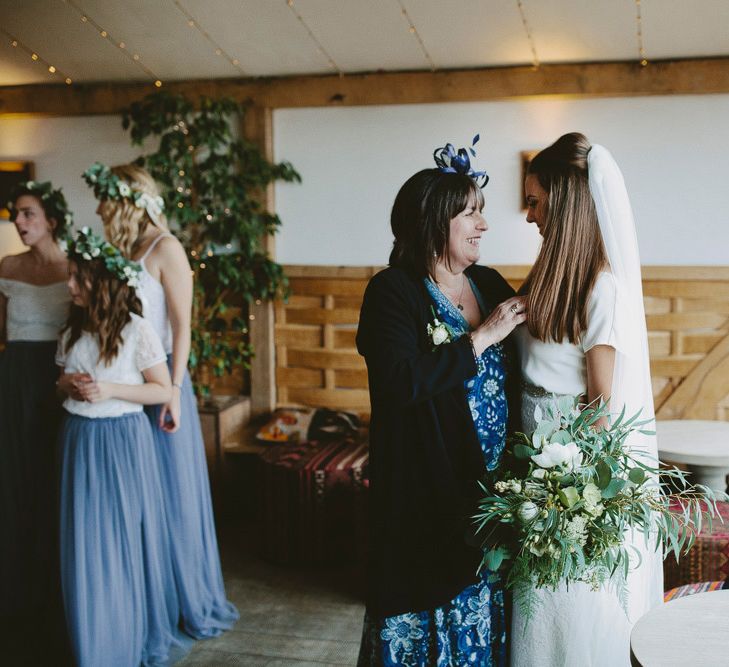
68	81
34	56
14	42
180	205
122	45
103	33
52	69
158	83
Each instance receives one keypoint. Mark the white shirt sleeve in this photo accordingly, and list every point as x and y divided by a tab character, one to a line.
601	313
148	350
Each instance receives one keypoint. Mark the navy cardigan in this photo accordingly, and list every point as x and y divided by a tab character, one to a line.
425	458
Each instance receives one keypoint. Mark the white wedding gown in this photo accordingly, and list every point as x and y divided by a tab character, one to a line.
579	627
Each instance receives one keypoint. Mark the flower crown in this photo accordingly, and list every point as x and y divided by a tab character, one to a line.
54	203
107	185
450	161
88	246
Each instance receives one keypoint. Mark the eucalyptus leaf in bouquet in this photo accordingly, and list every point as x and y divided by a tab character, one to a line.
570	498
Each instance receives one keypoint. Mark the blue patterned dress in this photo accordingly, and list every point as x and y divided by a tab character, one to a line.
471	628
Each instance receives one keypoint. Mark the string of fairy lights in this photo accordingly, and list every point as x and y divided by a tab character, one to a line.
119	44
218	49
36	57
319	46
529	36
414	32
639	29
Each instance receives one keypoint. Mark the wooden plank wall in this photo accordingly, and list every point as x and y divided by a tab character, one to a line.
687	311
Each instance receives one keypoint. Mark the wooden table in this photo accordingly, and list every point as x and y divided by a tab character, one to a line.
702	445
692	630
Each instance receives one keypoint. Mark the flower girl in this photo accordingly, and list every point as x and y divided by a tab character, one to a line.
118	588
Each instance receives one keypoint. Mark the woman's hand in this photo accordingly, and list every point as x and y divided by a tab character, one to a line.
500	323
72	383
169	416
96	392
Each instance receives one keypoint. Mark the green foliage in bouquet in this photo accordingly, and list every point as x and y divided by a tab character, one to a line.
560	507
212	185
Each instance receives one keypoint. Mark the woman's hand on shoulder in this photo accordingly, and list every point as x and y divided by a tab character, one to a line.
500	323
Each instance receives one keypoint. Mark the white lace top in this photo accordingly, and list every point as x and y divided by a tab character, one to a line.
154	303
34	312
141	349
560	367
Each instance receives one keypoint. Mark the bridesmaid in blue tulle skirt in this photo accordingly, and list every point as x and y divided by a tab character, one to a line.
33	306
119	591
142	234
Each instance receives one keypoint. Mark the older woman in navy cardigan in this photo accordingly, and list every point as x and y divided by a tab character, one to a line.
433	332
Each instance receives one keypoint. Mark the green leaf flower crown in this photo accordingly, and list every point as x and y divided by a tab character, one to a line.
89	246
54	203
107	185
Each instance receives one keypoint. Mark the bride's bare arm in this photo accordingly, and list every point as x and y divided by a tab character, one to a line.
600	362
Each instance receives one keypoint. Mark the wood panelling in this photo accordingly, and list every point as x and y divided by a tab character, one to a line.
687	312
616	79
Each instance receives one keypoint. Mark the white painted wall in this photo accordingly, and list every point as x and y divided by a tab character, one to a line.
62	149
674	153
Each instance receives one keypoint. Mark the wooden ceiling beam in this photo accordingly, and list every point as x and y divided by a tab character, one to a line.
670	77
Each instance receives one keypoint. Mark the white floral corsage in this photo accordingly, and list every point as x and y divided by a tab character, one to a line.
439	332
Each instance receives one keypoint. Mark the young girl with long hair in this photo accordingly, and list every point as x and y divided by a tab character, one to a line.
132	212
33	307
118	588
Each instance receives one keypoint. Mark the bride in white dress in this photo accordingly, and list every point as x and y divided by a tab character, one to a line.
584	292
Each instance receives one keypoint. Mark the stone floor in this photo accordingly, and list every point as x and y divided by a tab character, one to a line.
288	616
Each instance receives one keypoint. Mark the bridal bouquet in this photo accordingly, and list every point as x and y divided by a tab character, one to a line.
561	506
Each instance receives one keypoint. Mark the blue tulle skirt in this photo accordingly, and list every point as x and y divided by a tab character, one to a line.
119	593
29	419
186	491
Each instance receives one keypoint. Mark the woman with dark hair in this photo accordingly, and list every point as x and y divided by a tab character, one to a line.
432	330
585	335
33	307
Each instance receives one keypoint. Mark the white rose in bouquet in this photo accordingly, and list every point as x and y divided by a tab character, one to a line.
554	454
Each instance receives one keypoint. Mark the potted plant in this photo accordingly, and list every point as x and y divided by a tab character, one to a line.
212	183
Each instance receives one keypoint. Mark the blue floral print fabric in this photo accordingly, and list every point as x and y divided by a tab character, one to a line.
485	391
471	628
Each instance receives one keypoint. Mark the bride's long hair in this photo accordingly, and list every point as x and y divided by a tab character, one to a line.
572	253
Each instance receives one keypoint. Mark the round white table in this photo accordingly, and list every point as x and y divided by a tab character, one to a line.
692	630
702	445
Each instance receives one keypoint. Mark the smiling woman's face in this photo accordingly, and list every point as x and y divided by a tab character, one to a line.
465	236
536	198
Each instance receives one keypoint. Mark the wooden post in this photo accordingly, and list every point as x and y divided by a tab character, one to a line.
258	128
